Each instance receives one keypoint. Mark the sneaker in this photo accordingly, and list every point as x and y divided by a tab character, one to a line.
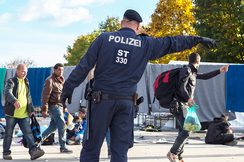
7	157
65	150
172	157
180	158
232	143
37	153
77	142
70	142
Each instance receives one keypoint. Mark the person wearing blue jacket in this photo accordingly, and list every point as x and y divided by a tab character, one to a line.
75	136
120	58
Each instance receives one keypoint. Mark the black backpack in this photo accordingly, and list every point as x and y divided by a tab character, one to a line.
35	128
49	140
165	87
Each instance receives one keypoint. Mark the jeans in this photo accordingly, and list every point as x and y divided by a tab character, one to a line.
108	141
78	138
178	146
57	121
24	125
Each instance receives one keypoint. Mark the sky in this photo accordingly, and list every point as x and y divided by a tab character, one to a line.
41	30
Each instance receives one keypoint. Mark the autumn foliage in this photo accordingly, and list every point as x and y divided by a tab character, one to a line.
172	17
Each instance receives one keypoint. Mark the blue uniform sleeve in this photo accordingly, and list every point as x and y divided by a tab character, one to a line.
82	69
167	45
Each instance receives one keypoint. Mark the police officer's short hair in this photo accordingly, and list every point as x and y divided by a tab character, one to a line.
58	65
194	57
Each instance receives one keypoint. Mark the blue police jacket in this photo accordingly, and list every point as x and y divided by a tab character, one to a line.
121	58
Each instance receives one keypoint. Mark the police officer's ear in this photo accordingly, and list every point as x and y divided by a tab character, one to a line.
137	27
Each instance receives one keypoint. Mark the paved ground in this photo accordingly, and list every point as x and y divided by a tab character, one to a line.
148	147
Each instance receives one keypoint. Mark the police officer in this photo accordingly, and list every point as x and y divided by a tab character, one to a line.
120	58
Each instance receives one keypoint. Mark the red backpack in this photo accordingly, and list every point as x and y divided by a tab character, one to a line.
165	86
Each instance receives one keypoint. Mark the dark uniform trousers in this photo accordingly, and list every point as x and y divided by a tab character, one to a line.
118	116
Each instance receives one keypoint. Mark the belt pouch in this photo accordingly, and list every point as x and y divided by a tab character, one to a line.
96	96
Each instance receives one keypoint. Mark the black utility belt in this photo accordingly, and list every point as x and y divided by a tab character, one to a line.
97	96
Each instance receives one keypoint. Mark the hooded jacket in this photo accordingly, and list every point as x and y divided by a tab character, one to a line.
219	132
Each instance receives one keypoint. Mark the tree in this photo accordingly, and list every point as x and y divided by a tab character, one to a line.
82	44
222	20
111	24
172	17
79	48
15	62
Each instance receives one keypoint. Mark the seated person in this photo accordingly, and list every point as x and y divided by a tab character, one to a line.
75	136
219	132
72	135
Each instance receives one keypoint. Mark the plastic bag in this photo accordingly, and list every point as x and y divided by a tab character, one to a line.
69	120
192	122
185	109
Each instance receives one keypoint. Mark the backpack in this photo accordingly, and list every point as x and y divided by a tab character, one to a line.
35	128
2	131
49	140
165	86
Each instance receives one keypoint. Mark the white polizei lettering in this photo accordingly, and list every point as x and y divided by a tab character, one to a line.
122	40
131	41
110	38
126	52
126	41
117	39
120	52
136	42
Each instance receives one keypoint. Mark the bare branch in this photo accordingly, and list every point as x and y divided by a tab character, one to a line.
15	62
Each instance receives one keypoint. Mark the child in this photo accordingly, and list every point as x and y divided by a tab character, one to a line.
77	133
73	135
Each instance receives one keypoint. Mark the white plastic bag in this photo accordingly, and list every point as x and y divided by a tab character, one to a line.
69	120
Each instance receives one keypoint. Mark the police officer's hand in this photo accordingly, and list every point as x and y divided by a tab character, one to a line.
44	114
207	42
64	96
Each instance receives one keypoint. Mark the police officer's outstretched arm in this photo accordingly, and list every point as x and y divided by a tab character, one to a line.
78	75
167	45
